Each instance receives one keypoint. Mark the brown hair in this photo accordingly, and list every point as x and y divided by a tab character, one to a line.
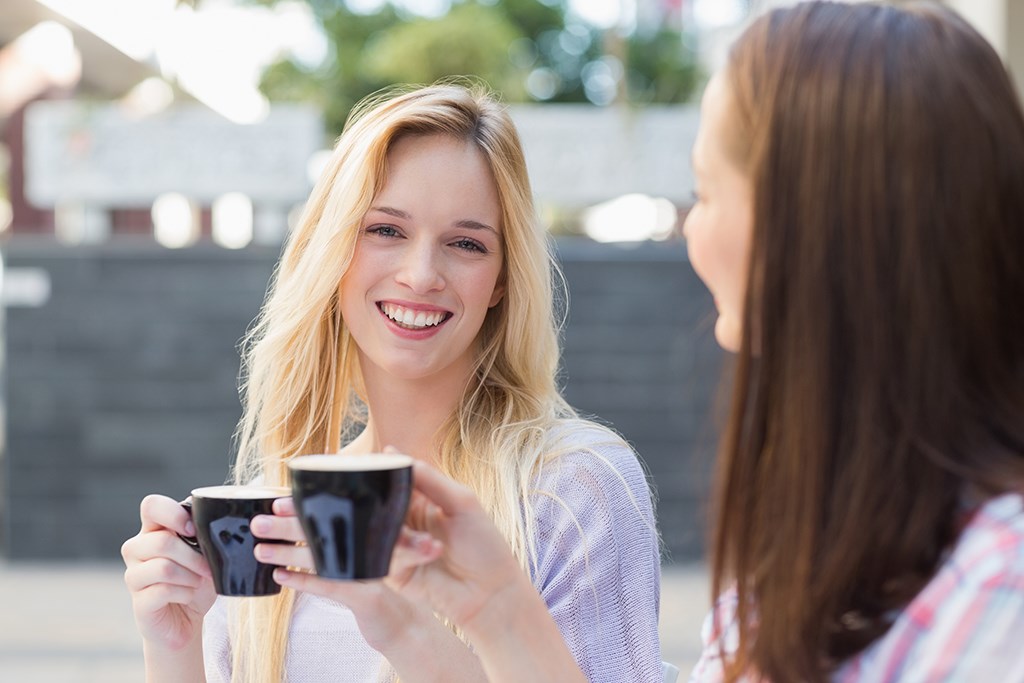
885	382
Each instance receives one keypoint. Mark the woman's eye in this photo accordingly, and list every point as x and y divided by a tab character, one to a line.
470	245
384	231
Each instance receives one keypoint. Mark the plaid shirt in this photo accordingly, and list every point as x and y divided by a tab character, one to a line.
965	626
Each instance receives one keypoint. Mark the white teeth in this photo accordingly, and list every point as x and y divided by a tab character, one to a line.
410	318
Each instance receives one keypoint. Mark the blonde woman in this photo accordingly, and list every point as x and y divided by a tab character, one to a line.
413	308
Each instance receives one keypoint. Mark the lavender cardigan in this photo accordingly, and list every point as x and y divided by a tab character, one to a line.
597	569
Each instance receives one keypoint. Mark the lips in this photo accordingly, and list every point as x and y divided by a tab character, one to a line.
410	318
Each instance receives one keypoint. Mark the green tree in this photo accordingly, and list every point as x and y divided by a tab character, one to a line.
527	50
660	68
467	40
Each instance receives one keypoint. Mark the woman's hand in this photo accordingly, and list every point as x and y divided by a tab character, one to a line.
383	617
417	645
452	557
170	584
450	554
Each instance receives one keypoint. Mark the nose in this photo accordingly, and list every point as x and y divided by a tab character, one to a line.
420	270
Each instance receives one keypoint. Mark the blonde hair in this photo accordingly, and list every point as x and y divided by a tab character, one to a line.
301	381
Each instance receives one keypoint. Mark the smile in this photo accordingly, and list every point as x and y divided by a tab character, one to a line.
410	319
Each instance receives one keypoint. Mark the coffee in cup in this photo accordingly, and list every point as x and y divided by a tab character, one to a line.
221	516
351	508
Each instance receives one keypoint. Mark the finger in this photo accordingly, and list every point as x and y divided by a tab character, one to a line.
284	507
307	582
354	594
415	516
415	549
159	595
284	555
277	528
419	543
163	544
450	496
161	512
161	570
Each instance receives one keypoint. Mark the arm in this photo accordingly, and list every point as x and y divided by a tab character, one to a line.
452	558
171	590
598	574
184	665
598	566
419	646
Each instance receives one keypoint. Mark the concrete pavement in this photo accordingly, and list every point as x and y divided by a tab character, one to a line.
72	623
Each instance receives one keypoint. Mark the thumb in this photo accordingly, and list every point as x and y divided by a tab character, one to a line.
452	497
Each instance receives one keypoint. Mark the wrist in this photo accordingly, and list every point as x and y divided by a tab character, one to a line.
172	663
510	606
426	651
517	638
176	648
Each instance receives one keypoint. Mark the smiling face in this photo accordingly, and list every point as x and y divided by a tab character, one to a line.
719	228
427	263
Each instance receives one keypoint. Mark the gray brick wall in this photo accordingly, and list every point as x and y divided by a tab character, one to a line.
124	383
640	354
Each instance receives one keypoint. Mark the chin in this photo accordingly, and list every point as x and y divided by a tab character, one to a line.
727	335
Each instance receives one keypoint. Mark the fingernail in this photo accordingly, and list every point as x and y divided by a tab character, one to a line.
259	525
280	576
262	552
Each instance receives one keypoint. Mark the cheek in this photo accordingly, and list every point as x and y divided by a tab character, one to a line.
734	252
696	234
353	288
478	284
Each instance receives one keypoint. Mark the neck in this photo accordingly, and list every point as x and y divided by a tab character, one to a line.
407	414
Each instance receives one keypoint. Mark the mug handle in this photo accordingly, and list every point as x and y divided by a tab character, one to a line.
191	541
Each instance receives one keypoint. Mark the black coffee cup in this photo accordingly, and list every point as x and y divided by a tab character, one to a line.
351	508
221	516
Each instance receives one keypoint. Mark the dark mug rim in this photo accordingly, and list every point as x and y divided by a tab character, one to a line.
193	541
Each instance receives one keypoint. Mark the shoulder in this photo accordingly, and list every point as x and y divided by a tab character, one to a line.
985	566
592	483
990	551
584	455
965	624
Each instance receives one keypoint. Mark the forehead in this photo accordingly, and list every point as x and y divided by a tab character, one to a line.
713	142
443	153
440	176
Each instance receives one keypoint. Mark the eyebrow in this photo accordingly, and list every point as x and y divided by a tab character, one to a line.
463	223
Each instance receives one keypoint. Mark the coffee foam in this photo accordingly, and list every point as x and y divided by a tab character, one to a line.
351	463
241	492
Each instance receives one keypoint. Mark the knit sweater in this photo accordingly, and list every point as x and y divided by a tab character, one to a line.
597	570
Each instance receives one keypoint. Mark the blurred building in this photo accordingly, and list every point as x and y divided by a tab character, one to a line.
122	359
45	55
110	129
122	355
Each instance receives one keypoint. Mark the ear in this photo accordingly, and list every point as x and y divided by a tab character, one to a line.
497	295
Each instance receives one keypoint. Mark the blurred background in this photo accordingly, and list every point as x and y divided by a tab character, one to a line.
153	155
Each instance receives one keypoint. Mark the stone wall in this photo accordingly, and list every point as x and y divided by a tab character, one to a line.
124	382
